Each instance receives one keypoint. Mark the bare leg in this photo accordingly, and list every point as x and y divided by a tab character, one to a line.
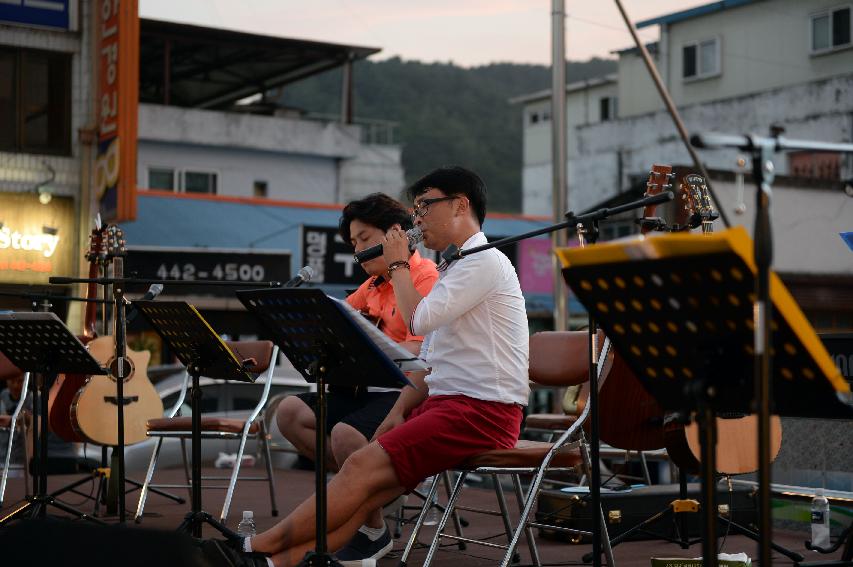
346	440
297	424
336	539
366	481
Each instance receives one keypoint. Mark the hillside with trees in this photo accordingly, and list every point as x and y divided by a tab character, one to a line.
447	114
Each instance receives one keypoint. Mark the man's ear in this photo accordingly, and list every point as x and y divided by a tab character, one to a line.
464	205
395	225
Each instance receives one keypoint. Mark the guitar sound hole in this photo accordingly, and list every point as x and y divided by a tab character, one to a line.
129	368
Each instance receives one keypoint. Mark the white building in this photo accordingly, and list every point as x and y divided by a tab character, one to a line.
736	66
197	133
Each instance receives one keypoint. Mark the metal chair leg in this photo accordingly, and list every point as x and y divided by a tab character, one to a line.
12	426
7	461
186	466
605	535
532	493
264	440
451	505
149	474
235	473
646	476
499	493
457	521
418	525
531	540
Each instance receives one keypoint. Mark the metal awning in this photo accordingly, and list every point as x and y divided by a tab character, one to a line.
201	67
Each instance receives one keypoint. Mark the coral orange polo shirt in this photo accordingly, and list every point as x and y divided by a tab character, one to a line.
375	298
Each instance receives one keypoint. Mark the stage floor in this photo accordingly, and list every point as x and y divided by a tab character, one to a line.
294	485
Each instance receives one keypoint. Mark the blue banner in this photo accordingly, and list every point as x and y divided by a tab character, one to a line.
41	13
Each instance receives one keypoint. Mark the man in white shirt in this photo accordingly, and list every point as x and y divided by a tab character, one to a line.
471	401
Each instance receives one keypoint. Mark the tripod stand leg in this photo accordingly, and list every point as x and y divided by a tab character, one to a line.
743	530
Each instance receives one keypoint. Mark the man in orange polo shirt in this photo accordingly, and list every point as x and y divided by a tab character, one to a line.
353	414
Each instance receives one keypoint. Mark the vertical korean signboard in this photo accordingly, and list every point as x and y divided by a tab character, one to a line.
118	97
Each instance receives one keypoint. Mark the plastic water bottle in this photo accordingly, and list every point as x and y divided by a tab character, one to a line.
820	520
246	527
431	517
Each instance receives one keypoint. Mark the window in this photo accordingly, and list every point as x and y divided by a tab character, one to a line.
701	59
538	116
199	182
35	106
830	29
607	108
259	189
161	178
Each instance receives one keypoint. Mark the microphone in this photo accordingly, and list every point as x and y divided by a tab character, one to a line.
153	291
305	274
413	234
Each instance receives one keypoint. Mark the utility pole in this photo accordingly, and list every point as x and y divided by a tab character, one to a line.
559	187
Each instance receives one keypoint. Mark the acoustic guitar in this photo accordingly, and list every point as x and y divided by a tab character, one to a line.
65	386
94	410
737	434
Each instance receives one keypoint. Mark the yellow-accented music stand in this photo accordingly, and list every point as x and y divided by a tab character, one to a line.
678	307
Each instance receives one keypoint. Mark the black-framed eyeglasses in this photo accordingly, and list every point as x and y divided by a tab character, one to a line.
422	208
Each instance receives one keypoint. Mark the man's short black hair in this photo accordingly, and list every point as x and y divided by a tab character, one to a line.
454	180
378	210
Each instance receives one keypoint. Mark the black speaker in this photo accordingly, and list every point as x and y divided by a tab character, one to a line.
79	543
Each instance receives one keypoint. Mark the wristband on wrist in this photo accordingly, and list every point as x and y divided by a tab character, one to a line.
397	265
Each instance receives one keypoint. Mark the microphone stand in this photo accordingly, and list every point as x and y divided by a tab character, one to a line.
39	298
587	224
453	252
121	365
763	172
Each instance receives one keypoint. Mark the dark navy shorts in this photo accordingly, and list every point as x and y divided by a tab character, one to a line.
363	411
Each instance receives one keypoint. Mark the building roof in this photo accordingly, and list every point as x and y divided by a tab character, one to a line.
694	12
202	67
570	88
652	48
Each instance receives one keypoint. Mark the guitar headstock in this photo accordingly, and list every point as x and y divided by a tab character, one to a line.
105	243
96	244
697	202
660	180
114	242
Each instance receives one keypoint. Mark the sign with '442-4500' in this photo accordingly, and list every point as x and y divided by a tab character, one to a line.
218	265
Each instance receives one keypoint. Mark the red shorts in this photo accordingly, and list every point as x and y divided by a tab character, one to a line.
443	431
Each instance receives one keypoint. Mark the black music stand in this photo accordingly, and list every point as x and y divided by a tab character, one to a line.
678	308
327	347
204	353
41	343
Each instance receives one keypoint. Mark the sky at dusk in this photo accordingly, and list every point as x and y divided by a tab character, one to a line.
466	32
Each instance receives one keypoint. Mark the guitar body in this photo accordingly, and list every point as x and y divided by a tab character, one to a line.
737	444
62	394
631	417
94	414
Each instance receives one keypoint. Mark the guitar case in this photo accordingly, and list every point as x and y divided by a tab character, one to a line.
625	509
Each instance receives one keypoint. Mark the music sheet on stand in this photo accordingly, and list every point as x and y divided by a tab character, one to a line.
405	360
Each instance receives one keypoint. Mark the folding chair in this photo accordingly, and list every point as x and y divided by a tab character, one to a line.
10	423
550	365
265	353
